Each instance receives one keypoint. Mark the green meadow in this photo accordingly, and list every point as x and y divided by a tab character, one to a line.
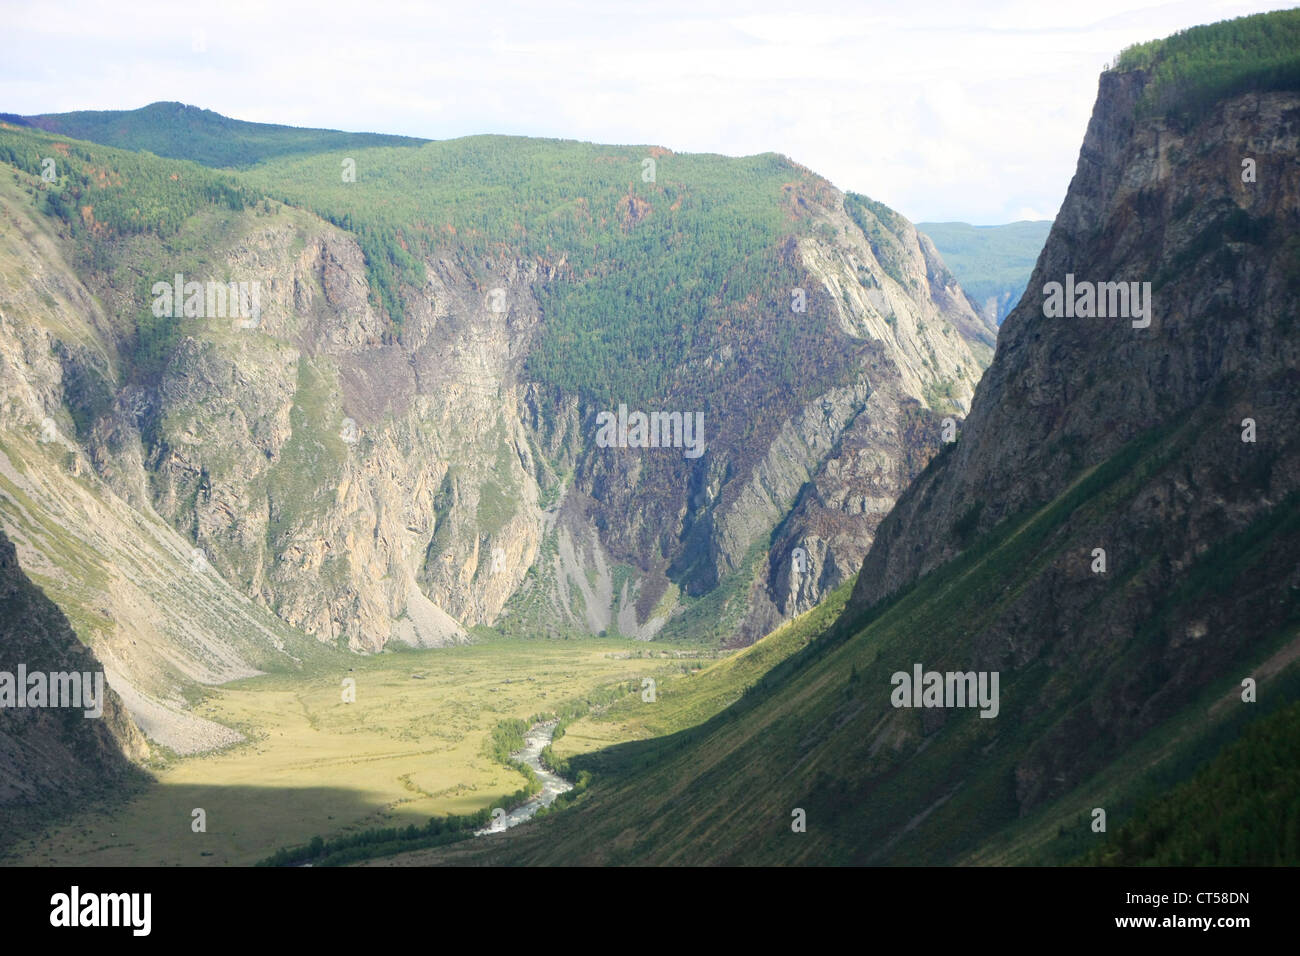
411	747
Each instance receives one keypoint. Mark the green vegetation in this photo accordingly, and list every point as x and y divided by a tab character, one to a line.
99	190
507	736
990	262
940	395
376	843
883	228
687	698
675	290
1240	810
419	743
1195	68
646	269
305	476
715	616
576	709
530	613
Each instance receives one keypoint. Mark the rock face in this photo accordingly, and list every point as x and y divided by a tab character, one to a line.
822	541
1205	398
366	487
880	432
77	495
50	757
1148	203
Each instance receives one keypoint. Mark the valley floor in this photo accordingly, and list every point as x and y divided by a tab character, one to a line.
409	748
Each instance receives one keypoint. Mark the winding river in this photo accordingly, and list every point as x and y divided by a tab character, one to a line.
538	736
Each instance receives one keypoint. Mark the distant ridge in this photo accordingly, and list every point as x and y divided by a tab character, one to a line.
178	131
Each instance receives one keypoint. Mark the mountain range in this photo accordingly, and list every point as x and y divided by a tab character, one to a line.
1115	534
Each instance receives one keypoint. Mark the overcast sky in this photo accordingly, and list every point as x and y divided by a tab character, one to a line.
943	110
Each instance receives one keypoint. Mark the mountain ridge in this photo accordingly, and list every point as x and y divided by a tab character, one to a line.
179	131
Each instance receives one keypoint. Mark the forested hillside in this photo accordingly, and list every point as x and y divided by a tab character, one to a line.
1187	73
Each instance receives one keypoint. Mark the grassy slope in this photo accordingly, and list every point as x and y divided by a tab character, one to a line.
690	698
1240	809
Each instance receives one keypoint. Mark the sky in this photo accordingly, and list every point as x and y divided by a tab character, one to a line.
943	110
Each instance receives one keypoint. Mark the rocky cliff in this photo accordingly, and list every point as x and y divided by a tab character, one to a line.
1158	590
1162	203
369	483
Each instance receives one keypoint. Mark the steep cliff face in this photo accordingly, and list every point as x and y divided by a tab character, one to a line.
1155	203
369	486
51	757
909	347
362	490
76	497
822	541
1193	566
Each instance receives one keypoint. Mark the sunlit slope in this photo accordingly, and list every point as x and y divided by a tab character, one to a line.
684	701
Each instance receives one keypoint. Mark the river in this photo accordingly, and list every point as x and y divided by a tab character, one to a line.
538	736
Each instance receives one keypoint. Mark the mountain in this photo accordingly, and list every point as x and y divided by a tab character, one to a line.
1115	536
394	432
992	263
